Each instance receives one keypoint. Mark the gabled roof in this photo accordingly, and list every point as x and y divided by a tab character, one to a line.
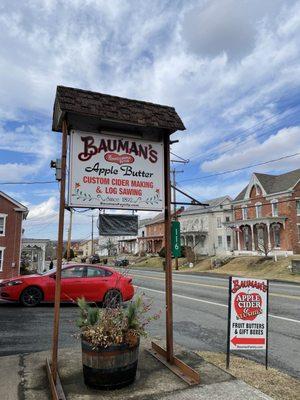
112	108
144	222
274	183
213	204
19	206
161	217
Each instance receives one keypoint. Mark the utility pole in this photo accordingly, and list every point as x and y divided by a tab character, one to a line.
179	160
174	172
69	235
92	235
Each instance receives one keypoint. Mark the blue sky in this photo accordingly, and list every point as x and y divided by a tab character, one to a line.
230	68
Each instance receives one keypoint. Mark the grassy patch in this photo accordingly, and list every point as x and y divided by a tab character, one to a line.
272	382
252	267
150	263
156	263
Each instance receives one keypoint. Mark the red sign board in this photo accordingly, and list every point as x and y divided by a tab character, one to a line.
248	314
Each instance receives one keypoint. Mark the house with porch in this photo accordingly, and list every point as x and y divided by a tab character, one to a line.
33	253
202	227
134	244
267	215
153	233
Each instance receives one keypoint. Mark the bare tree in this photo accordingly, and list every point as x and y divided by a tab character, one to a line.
110	247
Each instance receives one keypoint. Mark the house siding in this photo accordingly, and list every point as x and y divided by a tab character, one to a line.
12	239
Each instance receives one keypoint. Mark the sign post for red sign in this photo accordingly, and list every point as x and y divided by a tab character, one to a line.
247	328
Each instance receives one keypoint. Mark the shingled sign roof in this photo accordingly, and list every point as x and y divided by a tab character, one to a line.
103	106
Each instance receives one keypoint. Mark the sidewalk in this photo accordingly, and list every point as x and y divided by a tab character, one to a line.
23	377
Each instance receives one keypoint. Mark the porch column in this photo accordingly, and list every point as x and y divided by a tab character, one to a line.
252	237
269	237
238	240
43	257
194	241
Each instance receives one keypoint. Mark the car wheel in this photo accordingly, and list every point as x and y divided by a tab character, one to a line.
31	296
112	299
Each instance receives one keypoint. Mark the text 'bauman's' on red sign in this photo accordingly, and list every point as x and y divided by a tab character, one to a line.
248	314
110	171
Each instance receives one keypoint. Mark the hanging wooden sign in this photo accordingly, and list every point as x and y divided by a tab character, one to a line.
115	172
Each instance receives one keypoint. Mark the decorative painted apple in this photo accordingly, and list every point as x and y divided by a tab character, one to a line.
248	306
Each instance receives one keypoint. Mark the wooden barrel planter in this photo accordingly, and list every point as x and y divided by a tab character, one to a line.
109	368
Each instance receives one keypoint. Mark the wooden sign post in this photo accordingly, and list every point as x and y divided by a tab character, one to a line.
115	145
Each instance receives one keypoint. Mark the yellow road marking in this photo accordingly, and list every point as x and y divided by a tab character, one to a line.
214	286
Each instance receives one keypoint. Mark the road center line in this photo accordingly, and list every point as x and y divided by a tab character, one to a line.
287	296
209	302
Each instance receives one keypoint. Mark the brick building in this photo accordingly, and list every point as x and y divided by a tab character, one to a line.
267	215
12	214
154	240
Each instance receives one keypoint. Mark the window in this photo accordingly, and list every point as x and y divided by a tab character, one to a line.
220	241
73	272
276	235
227	219
1	258
245	212
219	222
275	208
258	207
97	272
2	224
228	238
298	206
246	231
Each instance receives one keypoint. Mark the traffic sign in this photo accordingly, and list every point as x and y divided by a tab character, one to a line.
175	239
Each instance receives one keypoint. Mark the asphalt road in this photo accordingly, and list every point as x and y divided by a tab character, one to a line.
200	319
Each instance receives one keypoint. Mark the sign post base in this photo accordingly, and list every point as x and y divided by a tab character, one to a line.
57	392
178	367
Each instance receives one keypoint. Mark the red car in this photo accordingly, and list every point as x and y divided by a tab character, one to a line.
94	283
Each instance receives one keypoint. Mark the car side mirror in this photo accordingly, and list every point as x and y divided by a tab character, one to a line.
53	276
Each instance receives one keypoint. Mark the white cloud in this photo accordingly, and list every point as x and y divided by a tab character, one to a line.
15	172
43	212
284	142
206	191
220	82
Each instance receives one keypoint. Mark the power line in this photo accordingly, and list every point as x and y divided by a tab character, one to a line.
27	183
240	169
240	135
249	206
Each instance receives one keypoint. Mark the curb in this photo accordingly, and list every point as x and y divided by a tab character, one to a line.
213	275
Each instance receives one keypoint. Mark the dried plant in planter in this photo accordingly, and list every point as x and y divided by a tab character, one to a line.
111	326
110	342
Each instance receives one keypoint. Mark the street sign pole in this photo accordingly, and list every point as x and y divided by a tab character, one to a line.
267	327
228	322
